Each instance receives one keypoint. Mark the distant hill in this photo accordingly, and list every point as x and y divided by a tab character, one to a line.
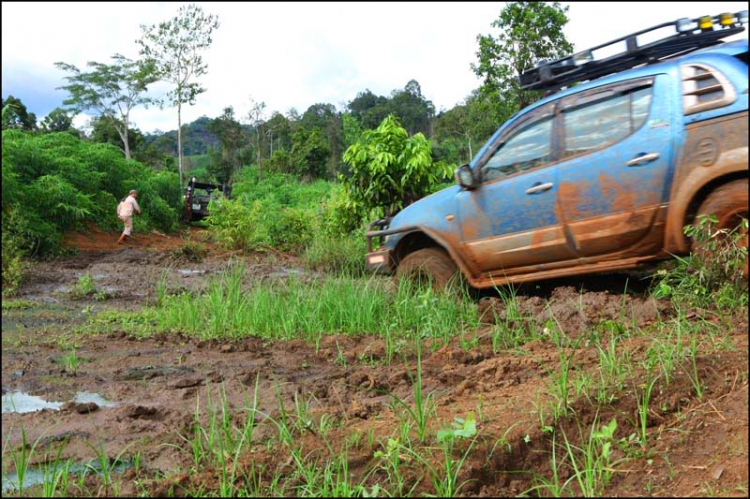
196	139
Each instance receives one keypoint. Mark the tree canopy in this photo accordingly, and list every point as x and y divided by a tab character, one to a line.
111	90
15	115
527	33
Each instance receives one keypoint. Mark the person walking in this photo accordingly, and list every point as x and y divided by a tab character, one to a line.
125	213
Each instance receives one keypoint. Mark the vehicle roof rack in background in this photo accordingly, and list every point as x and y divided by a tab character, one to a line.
692	34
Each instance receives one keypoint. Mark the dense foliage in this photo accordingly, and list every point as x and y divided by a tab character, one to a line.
277	212
56	182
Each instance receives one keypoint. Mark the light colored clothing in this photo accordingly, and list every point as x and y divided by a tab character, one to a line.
129	205
128	221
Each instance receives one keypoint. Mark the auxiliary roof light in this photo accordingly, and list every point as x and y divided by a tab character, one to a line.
705	23
726	19
684	25
742	16
583	57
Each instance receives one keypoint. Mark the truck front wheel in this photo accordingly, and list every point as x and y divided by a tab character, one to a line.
428	265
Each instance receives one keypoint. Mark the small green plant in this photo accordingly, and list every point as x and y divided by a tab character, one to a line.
70	362
446	484
592	464
107	466
21	457
643	399
692	373
424	406
560	388
56	475
84	288
391	459
502	441
303	421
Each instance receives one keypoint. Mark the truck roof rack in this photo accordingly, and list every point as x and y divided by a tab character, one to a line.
691	34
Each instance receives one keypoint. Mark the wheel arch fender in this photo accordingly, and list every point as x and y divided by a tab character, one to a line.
683	209
424	237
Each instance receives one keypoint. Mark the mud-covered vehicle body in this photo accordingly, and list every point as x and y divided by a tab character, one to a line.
197	197
598	177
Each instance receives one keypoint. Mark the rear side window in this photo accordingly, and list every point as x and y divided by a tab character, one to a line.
705	88
605	121
526	149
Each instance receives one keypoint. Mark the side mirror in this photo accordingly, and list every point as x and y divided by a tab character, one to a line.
465	177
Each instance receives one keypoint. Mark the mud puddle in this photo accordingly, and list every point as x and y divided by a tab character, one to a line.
35	475
22	403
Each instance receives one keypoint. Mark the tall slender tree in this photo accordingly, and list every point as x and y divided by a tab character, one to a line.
174	46
112	90
255	118
229	132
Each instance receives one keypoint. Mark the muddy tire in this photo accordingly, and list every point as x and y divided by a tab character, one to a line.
428	265
729	203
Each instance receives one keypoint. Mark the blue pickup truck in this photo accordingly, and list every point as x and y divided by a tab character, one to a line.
600	176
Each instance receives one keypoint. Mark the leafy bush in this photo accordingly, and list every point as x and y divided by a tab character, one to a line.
389	170
260	225
84	287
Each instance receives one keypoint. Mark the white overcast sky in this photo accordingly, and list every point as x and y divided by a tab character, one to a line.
295	54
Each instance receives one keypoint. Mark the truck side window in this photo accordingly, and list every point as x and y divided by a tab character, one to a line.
596	125
528	148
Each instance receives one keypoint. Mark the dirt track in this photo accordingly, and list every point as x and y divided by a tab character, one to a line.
157	383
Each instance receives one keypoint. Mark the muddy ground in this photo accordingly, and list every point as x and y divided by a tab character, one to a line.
700	447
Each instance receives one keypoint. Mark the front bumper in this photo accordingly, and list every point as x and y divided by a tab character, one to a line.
380	261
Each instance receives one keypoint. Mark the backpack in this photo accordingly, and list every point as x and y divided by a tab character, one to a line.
119	207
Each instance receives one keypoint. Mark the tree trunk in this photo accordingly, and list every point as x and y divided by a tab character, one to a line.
123	133
179	140
125	138
257	148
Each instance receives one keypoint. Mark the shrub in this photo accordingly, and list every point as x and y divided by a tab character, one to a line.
260	225
389	170
278	212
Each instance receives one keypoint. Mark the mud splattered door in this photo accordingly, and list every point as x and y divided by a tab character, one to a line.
510	220
616	146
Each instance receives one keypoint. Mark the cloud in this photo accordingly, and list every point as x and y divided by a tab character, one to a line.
294	54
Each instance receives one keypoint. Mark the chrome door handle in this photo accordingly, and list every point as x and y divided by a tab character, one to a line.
645	158
539	188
